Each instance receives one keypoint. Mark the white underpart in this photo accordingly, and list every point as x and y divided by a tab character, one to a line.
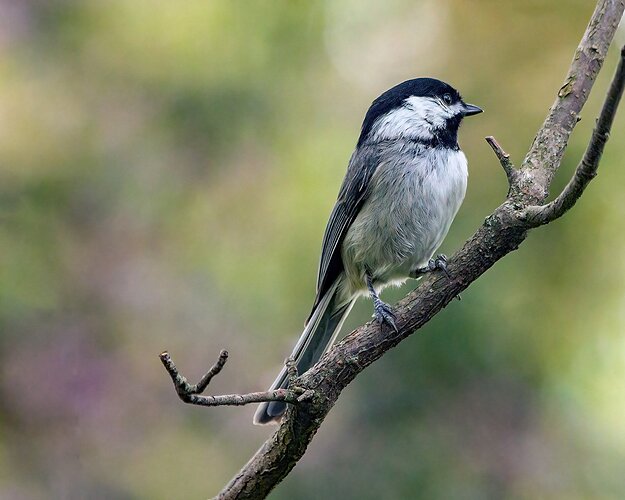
412	202
417	118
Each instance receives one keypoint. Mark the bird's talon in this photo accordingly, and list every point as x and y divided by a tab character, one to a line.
384	314
440	263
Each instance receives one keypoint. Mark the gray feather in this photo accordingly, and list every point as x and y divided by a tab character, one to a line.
321	330
352	194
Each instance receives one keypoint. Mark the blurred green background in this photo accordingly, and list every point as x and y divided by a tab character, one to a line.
166	173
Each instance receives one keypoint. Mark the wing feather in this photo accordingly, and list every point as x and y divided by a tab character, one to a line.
352	195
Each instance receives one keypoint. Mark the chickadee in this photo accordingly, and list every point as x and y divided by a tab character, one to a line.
404	184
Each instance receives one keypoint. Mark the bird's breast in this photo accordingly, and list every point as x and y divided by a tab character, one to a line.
412	200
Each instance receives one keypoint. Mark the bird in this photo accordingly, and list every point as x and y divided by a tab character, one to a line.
405	182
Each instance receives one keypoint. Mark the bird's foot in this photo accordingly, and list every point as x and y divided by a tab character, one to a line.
437	263
384	313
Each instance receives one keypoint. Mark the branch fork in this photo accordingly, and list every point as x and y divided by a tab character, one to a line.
192	393
586	171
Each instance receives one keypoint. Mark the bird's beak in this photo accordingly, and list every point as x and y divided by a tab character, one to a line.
471	109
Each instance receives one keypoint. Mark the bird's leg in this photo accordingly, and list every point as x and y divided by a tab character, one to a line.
382	311
439	262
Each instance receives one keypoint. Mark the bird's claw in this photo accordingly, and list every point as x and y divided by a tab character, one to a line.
384	314
440	263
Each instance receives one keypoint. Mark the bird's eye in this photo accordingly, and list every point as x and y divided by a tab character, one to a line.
447	98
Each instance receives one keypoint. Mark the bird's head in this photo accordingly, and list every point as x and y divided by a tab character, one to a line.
422	109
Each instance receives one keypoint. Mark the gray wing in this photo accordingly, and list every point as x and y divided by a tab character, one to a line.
352	195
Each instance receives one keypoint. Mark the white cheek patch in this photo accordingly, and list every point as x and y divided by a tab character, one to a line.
418	118
402	122
430	109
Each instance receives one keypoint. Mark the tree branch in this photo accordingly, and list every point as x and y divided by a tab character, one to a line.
504	159
587	168
544	157
191	393
502	232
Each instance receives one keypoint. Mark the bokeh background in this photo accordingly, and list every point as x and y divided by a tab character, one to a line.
166	173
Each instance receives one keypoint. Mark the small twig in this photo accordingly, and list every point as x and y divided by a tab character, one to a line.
587	168
190	393
181	383
504	159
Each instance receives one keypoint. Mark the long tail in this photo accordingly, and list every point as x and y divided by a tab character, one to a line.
321	330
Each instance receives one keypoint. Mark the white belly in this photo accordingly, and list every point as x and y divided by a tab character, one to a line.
406	216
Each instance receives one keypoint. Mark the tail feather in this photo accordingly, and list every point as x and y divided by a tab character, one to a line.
321	330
